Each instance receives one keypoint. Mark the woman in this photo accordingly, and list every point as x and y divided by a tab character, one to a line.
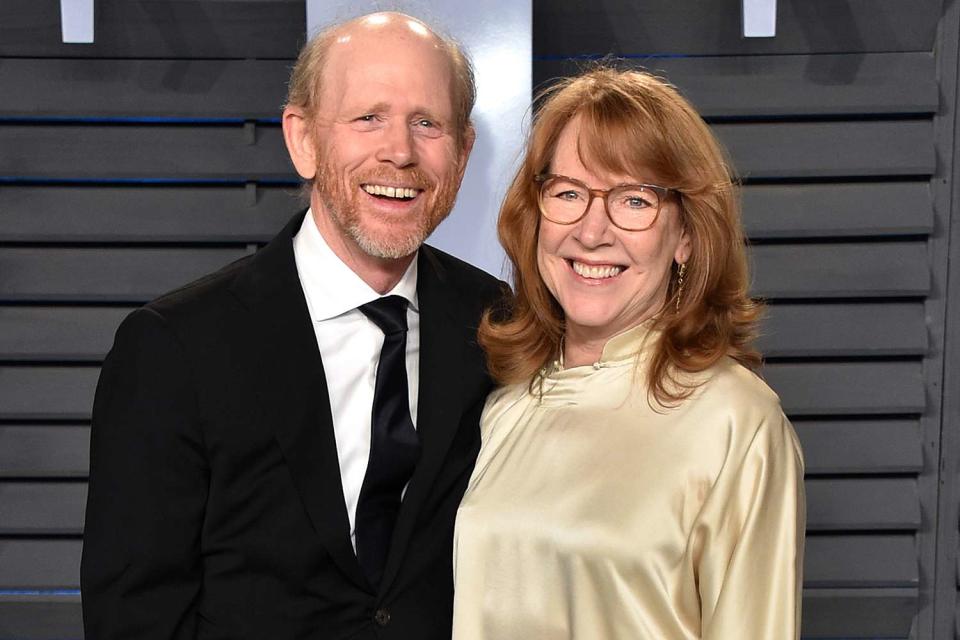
636	479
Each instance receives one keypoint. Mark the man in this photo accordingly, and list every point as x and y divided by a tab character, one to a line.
273	455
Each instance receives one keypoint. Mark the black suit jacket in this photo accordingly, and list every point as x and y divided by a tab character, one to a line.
216	508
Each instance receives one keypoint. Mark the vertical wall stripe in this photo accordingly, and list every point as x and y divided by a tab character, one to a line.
759	18
76	21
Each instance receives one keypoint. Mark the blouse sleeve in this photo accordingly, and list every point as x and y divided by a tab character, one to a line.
751	562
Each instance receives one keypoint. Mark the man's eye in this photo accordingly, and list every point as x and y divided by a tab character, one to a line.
367	118
426	124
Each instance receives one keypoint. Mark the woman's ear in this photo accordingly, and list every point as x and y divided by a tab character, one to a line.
684	247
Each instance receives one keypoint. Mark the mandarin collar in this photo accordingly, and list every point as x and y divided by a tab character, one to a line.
627	347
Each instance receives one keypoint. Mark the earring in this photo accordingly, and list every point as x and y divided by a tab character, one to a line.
681	271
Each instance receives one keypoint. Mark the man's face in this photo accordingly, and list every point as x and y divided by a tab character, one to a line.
388	163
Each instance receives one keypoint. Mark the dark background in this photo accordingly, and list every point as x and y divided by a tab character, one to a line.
154	155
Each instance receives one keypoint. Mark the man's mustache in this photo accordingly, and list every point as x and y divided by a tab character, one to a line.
408	178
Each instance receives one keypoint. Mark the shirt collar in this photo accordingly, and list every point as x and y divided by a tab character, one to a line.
330	287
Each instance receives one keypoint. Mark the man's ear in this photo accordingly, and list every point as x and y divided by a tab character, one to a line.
298	134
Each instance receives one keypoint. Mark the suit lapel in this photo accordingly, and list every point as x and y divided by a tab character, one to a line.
294	396
438	404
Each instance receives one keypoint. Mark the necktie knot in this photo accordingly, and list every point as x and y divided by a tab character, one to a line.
389	313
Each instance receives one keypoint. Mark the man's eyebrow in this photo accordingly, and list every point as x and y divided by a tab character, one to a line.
423	111
379	107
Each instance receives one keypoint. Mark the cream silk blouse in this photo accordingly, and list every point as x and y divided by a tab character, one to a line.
591	515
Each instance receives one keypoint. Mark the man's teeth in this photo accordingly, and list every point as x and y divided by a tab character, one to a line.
599	273
390	192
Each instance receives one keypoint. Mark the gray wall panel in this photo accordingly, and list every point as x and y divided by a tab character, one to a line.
58	333
42	508
848	388
860	446
273	29
45	333
853	504
659	26
831	561
143	213
759	86
247	89
829	149
40	617
134	275
842	329
781	271
44	451
852	561
837	210
759	150
827	613
859	613
38	393
169	28
39	564
142	151
841	270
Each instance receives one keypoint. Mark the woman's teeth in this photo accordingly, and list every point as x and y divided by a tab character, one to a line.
596	272
389	192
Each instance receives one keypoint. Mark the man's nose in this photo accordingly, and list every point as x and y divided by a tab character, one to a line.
594	227
397	145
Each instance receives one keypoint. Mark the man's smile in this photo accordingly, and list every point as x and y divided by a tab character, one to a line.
384	191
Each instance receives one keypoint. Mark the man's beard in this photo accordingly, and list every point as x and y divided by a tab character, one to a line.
341	202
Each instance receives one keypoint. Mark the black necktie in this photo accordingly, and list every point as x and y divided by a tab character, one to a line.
394	446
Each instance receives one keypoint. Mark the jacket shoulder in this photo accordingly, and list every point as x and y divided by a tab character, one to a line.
208	297
463	276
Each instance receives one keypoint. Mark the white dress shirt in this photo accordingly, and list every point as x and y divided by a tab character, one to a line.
350	346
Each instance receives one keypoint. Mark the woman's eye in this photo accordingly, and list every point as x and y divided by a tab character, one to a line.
636	202
568	195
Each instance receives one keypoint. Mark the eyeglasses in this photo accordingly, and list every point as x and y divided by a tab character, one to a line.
631	207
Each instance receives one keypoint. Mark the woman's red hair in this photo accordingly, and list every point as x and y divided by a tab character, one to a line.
635	124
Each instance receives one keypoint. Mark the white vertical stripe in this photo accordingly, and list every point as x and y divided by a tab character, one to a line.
318	14
498	35
759	18
76	21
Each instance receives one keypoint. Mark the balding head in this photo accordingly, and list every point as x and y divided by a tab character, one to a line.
307	79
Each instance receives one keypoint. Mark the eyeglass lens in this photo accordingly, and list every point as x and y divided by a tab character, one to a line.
631	207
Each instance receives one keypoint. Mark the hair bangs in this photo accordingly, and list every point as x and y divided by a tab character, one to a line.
620	135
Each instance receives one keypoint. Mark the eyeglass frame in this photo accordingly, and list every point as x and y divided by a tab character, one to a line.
662	194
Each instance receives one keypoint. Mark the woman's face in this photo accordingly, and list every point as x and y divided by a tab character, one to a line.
607	280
